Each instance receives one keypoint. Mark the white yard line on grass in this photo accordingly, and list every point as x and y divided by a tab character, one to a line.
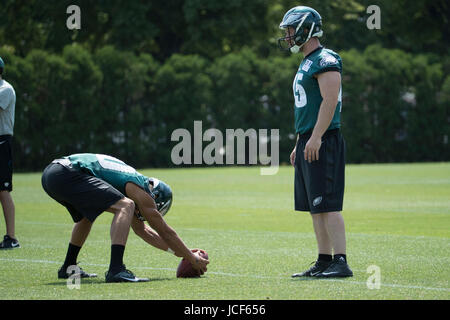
239	275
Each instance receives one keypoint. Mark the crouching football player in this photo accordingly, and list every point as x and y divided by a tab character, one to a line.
88	184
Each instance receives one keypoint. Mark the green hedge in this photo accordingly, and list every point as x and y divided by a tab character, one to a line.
395	104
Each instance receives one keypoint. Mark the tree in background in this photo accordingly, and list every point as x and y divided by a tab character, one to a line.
137	70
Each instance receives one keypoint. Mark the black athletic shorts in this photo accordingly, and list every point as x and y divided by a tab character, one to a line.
319	185
6	163
83	195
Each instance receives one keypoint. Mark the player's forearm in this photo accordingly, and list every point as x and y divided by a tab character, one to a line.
326	113
167	234
174	242
152	238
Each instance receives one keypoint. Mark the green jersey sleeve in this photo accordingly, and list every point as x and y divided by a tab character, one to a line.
327	60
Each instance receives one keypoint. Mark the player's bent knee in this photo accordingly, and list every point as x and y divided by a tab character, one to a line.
128	205
124	205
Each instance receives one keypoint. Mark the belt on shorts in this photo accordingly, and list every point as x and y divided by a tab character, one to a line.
326	134
64	162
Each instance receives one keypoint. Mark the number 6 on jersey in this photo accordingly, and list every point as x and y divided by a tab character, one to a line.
299	91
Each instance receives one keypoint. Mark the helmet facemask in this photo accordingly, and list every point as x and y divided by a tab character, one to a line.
162	194
163	207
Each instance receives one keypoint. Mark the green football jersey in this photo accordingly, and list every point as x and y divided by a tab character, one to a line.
114	171
307	92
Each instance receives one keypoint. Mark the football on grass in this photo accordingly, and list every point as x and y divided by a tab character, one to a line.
185	269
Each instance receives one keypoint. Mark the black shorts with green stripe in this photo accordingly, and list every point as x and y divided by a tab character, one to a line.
319	185
83	195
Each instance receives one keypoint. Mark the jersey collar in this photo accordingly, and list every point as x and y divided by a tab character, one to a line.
317	49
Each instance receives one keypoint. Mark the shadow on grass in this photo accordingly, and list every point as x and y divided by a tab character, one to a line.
304	279
191	278
330	279
63	282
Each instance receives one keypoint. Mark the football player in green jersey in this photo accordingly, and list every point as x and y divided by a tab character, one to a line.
88	184
319	154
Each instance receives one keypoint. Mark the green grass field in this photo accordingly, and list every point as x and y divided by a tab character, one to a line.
397	218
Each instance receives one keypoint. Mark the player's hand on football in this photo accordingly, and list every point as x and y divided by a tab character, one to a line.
311	152
198	263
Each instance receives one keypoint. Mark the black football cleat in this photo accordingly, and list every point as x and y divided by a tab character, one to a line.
337	269
63	274
123	276
317	268
9	243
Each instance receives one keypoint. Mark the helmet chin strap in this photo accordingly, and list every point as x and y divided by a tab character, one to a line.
295	48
